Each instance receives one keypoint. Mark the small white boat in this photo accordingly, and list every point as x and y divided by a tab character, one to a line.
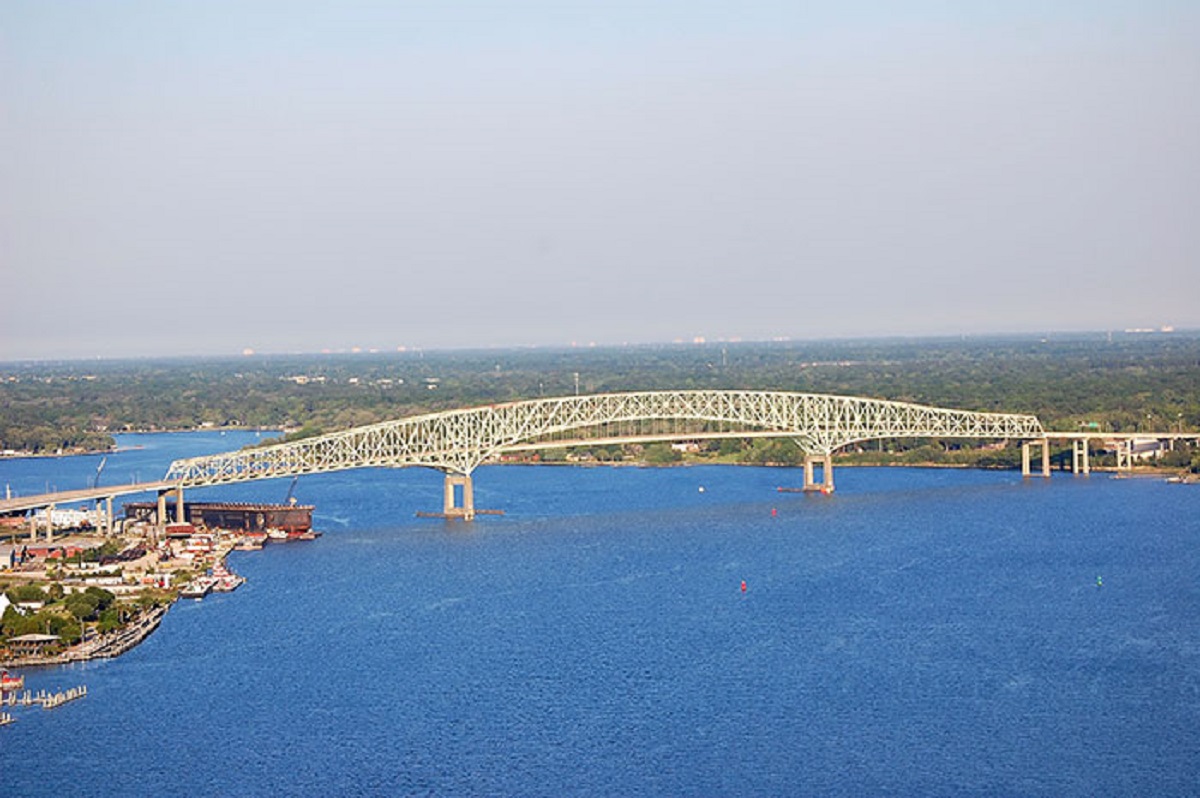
226	580
198	588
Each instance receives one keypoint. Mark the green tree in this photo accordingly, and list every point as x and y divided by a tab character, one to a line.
104	598
110	620
27	593
773	451
661	454
82	605
15	624
730	446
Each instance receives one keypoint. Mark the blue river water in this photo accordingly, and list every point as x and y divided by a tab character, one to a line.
920	632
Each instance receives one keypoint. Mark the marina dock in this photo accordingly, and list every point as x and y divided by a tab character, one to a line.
44	699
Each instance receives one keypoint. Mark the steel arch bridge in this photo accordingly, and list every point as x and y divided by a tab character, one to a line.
458	441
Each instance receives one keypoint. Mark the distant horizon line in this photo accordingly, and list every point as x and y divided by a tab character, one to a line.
697	341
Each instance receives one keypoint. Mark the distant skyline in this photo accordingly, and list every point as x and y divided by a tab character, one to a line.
204	178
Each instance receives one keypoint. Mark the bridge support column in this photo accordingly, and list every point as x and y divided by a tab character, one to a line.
160	514
1125	455
50	523
108	516
1079	457
810	482
179	519
32	527
1025	458
450	506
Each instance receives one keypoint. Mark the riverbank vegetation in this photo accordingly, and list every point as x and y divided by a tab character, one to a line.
49	609
1117	383
784	452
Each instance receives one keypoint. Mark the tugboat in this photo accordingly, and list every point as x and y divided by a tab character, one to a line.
10	683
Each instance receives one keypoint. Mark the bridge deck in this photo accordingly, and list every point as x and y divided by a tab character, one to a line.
19	503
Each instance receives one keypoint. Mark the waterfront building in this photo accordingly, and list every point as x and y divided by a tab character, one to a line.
31	645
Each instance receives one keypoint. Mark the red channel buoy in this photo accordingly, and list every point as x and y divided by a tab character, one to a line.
743	585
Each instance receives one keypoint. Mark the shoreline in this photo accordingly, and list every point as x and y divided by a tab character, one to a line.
102	646
23	455
1141	470
118	641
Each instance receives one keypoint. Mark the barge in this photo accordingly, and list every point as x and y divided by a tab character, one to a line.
294	519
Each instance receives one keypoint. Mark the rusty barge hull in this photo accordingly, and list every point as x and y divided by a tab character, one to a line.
234	516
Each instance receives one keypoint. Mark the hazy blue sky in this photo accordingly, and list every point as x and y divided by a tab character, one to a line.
201	177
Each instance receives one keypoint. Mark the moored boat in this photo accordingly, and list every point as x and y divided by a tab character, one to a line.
10	682
226	580
252	541
198	588
308	534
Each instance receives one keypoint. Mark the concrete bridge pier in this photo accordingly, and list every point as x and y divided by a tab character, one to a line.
1025	456
1125	456
33	524
450	507
1079	457
810	483
161	518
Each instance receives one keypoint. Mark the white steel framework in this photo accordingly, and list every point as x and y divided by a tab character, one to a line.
457	441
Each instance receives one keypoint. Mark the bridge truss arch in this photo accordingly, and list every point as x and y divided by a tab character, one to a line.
458	441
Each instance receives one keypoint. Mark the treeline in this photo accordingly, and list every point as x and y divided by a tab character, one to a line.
1126	383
